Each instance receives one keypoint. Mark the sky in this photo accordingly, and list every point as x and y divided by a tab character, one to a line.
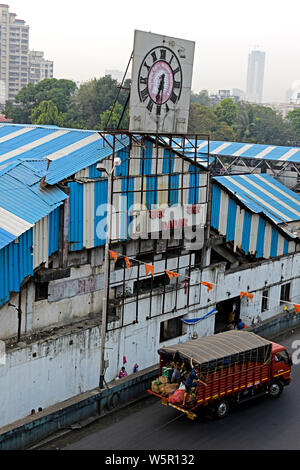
86	38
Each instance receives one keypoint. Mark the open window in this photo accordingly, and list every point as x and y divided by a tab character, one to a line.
170	329
41	291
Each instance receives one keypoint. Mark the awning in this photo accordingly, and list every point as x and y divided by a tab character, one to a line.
222	350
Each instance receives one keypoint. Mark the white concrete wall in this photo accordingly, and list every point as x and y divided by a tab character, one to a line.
43	374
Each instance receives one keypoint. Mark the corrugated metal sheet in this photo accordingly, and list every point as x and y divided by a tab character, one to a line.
54	226
88	199
41	243
252	220
262	193
67	150
29	223
16	264
23	202
253	151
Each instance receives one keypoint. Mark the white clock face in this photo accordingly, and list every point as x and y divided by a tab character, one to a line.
160	80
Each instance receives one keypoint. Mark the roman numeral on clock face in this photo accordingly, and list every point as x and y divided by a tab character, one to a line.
147	66
144	94
150	105
176	84
163	54
154	56
173	97
158	110
176	71
143	81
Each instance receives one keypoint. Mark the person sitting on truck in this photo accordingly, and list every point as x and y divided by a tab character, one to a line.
176	375
192	380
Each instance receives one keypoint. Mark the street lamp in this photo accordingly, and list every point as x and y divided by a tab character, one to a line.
109	174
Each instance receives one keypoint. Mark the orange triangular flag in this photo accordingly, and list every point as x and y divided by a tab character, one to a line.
209	285
171	274
297	308
247	294
149	269
128	265
113	255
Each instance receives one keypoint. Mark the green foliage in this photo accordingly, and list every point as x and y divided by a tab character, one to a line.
260	124
203	120
95	97
293	119
226	111
57	91
202	98
47	113
112	120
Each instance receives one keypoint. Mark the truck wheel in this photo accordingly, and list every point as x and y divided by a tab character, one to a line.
276	389
222	409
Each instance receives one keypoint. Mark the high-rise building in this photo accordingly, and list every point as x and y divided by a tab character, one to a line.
14	56
39	67
255	77
14	45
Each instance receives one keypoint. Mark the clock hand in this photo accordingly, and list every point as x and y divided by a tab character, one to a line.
159	96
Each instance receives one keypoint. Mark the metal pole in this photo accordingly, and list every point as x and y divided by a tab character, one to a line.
106	274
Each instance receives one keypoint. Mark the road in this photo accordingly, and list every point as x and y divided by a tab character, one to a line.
261	424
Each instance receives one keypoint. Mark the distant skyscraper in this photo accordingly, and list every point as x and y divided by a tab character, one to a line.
14	55
14	41
39	67
255	77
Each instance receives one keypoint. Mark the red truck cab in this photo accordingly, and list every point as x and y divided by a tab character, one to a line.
281	363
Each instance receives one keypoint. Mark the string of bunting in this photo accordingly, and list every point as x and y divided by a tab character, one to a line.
148	267
209	285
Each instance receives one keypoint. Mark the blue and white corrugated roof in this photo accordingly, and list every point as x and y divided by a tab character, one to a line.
23	201
66	150
248	150
263	194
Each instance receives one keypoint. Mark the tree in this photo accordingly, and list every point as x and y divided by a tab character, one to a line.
57	91
202	98
293	120
226	111
114	118
244	123
203	120
94	97
46	113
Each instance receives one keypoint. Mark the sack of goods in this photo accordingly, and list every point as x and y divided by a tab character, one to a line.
158	383
177	397
168	389
163	380
155	386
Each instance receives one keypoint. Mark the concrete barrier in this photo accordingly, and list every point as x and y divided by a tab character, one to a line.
25	433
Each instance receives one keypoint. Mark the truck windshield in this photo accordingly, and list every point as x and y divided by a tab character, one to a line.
282	356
